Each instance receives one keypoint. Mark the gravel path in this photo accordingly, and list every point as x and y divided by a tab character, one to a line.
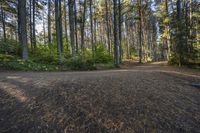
147	98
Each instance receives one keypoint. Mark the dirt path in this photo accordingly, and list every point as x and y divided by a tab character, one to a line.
143	98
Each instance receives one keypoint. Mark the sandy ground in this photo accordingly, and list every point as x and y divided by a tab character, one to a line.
136	98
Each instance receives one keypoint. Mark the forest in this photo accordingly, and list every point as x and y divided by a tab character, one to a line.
99	66
87	34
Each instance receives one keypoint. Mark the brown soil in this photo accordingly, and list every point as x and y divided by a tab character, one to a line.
136	98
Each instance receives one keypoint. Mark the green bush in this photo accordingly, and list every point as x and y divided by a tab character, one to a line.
14	63
10	47
78	64
102	56
45	54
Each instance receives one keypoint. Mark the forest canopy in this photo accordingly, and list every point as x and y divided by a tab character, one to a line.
85	34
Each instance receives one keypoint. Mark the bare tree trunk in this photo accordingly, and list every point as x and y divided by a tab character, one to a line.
140	32
31	29
108	28
34	33
49	22
120	31
191	39
83	26
22	31
3	23
44	29
95	31
127	39
71	24
116	55
58	19
179	43
65	16
91	30
75	26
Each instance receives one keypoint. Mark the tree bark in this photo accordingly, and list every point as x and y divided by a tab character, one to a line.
22	31
140	31
31	29
91	30
120	31
71	25
83	26
44	29
116	56
65	16
58	19
75	26
49	22
108	28
34	33
3	23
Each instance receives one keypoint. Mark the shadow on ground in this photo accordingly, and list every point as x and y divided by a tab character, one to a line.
111	101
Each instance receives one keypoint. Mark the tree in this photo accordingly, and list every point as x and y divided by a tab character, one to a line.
71	25
75	26
65	22
33	28
3	23
58	19
108	27
91	30
83	26
49	22
120	31
115	32
140	30
22	31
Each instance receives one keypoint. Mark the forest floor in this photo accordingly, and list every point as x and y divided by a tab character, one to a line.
137	98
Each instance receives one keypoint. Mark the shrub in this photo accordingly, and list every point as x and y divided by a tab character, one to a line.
102	56
10	47
45	54
14	63
78	64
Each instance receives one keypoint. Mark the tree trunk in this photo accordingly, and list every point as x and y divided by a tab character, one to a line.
108	28
22	32
58	19
91	31
75	26
65	16
49	22
116	56
71	24
140	31
34	33
127	39
83	26
190	36
31	29
167	30
3	23
44	29
179	38
120	31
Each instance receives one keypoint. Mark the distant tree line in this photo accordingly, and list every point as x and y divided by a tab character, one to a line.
151	30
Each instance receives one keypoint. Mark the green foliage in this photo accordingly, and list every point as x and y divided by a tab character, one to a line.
14	63
174	60
45	54
78	64
101	54
45	58
48	54
9	47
